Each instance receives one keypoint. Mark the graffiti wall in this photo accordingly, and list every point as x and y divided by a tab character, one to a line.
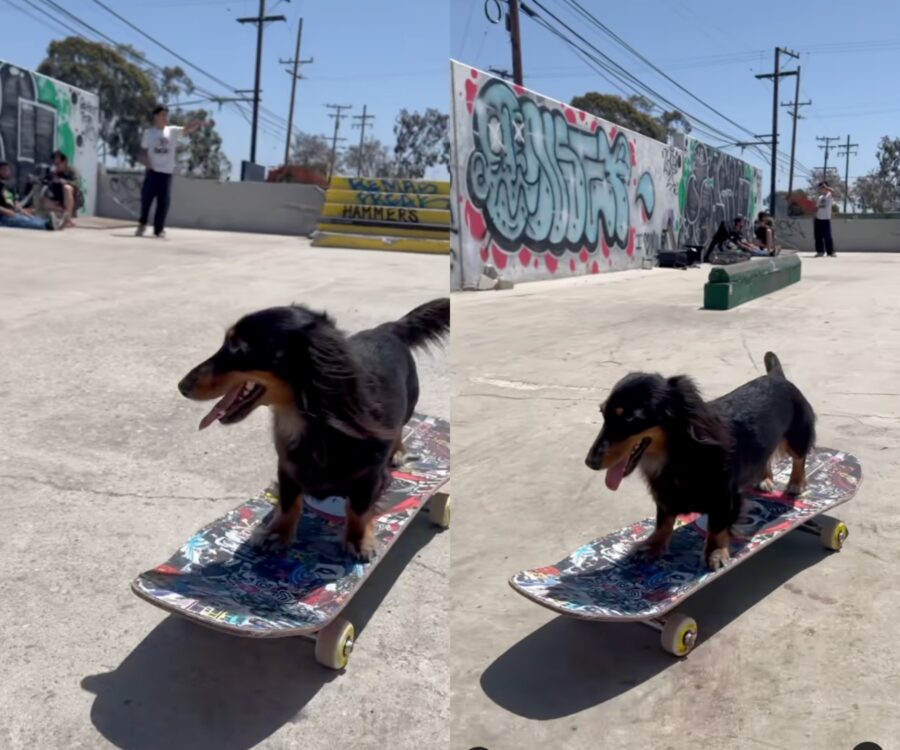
713	187
39	115
542	190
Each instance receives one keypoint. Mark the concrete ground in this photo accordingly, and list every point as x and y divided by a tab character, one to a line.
799	648
103	474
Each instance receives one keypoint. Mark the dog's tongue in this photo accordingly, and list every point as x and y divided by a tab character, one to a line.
221	408
615	475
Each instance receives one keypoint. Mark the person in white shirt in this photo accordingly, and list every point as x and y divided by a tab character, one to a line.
822	222
157	154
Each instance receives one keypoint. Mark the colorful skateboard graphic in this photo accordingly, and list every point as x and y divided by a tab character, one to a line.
219	578
602	580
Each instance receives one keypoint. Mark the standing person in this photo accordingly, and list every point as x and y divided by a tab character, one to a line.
822	222
158	147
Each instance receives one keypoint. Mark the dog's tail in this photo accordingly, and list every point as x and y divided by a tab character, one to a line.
773	365
425	325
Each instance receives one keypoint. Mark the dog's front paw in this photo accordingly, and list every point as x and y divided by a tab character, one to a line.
363	549
718	558
766	485
651	548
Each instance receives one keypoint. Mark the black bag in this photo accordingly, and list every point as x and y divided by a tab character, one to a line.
678	258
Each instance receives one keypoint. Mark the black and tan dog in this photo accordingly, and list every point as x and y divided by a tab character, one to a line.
339	402
697	455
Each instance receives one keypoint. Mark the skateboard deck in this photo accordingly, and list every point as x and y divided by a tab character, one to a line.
221	579
603	580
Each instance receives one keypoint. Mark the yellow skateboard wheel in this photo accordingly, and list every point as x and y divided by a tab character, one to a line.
679	635
334	644
833	533
439	511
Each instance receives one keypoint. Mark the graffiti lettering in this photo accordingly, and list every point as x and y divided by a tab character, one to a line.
406	200
381	213
714	187
540	180
393	186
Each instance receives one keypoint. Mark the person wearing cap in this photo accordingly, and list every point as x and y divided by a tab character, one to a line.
11	212
158	146
822	222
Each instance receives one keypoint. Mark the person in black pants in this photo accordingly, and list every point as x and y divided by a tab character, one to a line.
158	147
822	222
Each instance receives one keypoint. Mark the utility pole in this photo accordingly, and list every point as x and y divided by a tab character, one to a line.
796	104
515	37
847	146
338	115
260	22
295	76
775	76
828	140
364	120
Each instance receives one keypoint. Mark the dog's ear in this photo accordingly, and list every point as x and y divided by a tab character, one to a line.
686	405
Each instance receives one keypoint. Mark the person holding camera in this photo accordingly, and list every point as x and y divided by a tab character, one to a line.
11	212
62	194
158	147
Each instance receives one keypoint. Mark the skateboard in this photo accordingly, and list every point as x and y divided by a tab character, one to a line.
604	580
223	579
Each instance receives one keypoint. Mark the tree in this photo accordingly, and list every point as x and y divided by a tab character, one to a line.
127	92
871	193
202	155
635	113
311	152
173	83
423	141
373	160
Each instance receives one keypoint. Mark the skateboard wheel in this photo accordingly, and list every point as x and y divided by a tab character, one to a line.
334	644
679	634
834	533
440	511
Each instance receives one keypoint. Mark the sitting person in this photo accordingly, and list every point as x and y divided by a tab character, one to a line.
62	194
765	233
11	212
730	246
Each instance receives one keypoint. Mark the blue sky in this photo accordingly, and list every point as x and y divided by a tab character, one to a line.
849	57
387	55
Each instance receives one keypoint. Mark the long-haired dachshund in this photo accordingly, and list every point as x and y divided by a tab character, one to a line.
339	402
697	455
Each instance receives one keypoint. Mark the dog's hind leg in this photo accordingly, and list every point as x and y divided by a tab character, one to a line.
799	441
797	482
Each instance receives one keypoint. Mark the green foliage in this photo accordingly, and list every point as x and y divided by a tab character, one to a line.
127	91
635	113
423	141
202	155
879	191
372	160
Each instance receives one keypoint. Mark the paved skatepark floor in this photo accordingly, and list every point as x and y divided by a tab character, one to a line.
103	474
798	647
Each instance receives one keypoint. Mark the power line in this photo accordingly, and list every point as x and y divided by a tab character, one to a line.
295	76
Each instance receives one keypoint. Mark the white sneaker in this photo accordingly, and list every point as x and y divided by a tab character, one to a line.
161	235
140	231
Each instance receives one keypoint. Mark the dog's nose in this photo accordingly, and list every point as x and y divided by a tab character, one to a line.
186	385
594	462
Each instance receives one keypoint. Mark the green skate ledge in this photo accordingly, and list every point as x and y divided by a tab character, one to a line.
730	286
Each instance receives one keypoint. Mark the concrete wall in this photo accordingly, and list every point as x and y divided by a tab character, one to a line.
39	115
265	207
856	234
542	190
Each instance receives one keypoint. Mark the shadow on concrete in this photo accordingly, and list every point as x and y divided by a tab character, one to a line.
570	665
187	686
